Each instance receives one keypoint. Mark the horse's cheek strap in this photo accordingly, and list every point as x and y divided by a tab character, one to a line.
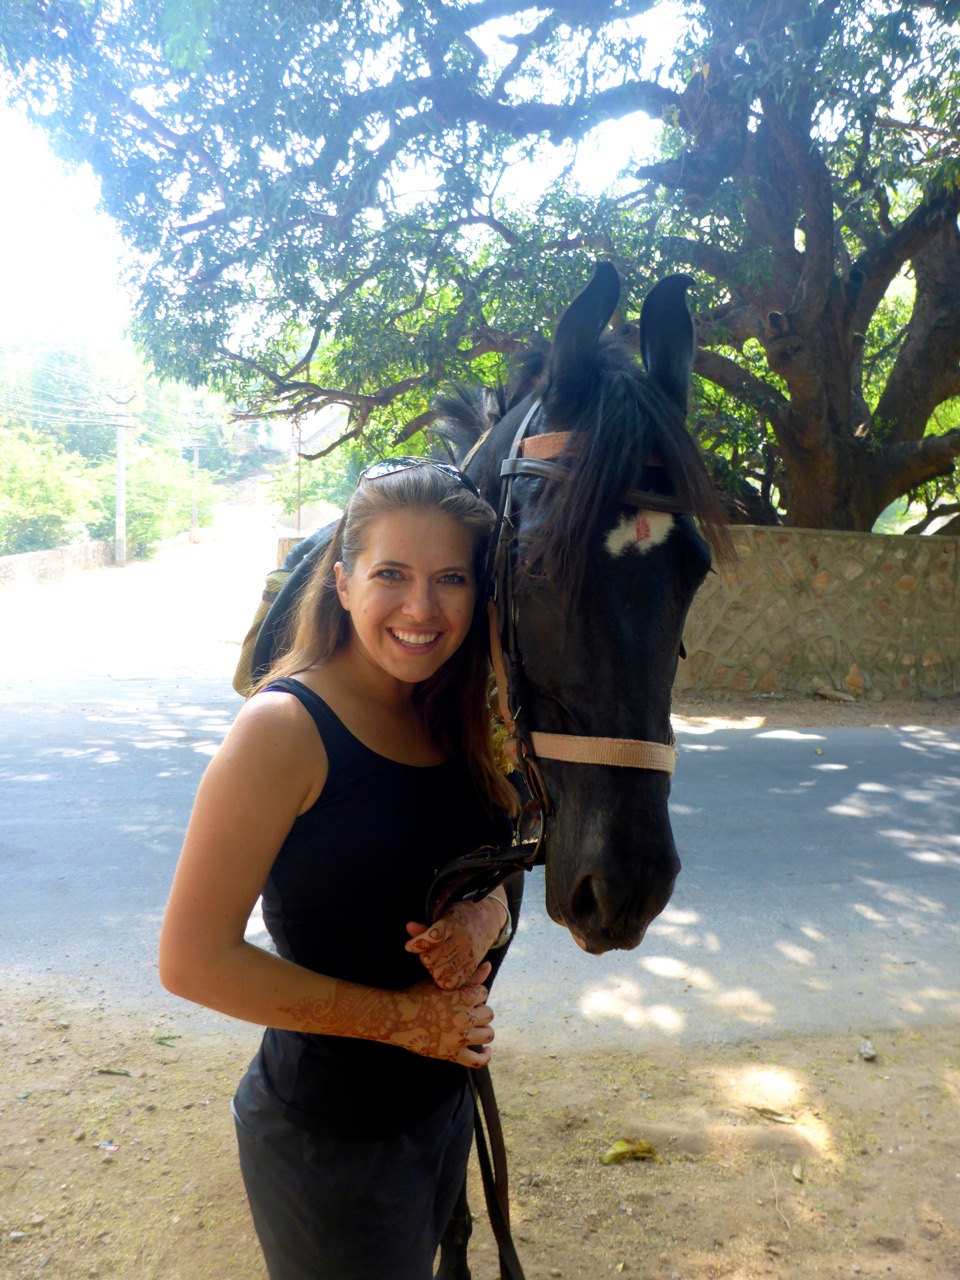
499	672
626	753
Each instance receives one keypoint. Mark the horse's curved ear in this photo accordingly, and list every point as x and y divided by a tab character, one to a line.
572	357
666	337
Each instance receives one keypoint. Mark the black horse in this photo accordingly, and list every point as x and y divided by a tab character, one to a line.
599	559
605	558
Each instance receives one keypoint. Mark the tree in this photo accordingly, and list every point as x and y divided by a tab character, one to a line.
162	492
59	412
74	394
353	204
59	393
47	496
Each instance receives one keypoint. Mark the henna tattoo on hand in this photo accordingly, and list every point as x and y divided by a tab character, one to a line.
452	949
443	1024
453	1025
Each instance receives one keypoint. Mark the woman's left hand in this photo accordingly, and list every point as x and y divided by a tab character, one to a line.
453	947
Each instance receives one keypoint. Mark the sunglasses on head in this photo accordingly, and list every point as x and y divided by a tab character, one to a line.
389	467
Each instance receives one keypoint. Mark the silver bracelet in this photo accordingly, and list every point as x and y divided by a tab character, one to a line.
506	933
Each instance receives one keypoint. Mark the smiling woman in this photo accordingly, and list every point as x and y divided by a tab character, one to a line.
362	763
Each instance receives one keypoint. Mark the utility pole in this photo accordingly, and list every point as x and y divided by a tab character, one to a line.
120	519
195	443
299	471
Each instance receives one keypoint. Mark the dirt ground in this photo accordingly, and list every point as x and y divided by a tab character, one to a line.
794	1158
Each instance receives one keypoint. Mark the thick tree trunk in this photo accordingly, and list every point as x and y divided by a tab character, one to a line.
841	466
848	494
809	304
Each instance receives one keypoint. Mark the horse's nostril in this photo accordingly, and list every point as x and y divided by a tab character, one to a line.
587	901
602	909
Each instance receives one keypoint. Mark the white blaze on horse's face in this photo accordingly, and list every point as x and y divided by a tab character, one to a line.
640	531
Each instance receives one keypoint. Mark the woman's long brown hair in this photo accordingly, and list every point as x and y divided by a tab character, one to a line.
455	700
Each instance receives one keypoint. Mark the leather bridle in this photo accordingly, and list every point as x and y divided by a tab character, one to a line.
473	875
536	457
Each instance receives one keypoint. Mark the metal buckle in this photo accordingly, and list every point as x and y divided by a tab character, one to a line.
531	827
530	830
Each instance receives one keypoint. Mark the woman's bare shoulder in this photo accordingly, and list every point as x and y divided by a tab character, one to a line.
273	704
276	725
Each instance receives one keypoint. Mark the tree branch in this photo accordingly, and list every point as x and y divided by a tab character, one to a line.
352	434
266	235
927	369
949	530
731	324
574	12
816	193
704	257
911	463
481	220
934	513
416	424
175	141
743	386
492	342
523	43
876	267
560	121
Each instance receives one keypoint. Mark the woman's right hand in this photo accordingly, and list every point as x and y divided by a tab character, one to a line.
451	1025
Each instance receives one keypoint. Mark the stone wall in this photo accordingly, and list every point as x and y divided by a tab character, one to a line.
861	613
49	566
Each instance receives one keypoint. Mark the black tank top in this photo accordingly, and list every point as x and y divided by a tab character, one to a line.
352	871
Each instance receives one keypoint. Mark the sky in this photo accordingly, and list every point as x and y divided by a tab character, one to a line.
60	260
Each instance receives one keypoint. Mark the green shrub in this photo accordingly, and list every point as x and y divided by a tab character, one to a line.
48	497
160	490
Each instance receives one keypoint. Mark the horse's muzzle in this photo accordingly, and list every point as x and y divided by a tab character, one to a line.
602	919
612	860
608	904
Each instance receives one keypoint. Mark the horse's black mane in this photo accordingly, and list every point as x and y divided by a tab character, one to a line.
628	425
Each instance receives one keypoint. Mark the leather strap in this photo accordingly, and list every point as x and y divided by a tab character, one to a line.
647	500
499	673
626	753
493	1171
475	875
550	444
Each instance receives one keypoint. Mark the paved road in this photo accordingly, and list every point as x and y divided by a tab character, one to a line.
821	882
